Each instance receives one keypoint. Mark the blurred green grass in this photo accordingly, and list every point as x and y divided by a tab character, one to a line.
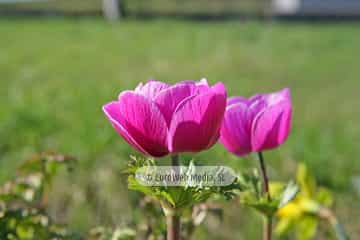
56	74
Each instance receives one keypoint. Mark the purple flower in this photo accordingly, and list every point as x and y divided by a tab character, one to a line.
258	123
157	118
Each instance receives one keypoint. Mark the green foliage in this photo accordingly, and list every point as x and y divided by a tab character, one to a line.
23	203
24	199
176	198
252	195
310	206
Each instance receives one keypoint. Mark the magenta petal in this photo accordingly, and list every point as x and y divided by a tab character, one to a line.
151	89
234	100
143	122
271	127
196	122
203	82
139	87
171	97
112	112
219	88
235	132
277	97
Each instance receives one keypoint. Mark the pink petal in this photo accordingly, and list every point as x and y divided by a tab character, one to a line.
253	105
112	111
237	99
196	122
204	82
142	121
168	99
235	131
277	97
151	89
219	88
259	102
272	126
139	87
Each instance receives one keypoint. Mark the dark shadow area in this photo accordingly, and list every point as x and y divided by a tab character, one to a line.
147	15
47	13
318	18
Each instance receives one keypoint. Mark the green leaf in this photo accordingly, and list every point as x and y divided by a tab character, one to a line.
265	207
178	197
283	226
135	185
307	227
306	180
324	197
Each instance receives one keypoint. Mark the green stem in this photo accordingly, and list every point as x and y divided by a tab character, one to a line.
175	161
267	232
264	176
173	222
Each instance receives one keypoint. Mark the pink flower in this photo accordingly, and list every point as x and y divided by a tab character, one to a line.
157	118
258	123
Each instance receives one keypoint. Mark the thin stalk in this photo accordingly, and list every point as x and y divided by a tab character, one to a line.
173	227
175	161
264	176
267	231
267	228
173	223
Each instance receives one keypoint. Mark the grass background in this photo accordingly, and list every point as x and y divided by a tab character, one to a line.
56	74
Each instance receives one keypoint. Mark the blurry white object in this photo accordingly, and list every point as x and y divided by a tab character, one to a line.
316	7
286	6
111	9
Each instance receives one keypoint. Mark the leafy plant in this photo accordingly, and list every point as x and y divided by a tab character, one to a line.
23	201
310	206
177	198
194	203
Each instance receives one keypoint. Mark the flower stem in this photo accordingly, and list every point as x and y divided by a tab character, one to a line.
267	231
267	228
173	223
264	176
173	227
175	161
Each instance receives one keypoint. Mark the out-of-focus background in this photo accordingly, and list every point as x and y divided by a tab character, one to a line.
61	60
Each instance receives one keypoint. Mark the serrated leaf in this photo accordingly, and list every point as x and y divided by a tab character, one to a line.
166	197
262	205
178	197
